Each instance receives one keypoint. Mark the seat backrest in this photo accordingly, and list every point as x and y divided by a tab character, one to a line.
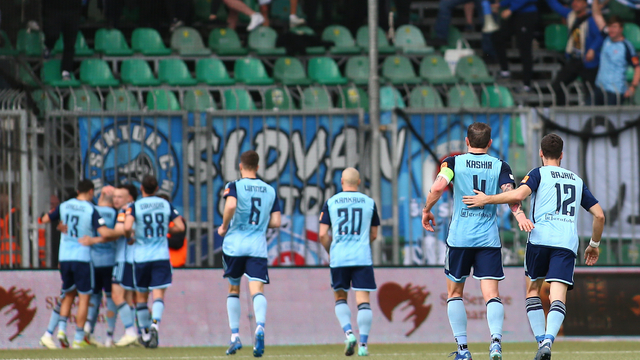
409	36
631	32
471	66
497	97
81	43
50	71
109	39
83	100
395	67
198	100
95	69
121	100
556	36
238	99
30	42
390	98
186	38
28	79
424	97
288	68
6	44
316	98
146	38
162	99
340	35
277	99
353	98
263	37
135	69
224	38
249	68
43	99
170	69
362	37
462	96
303	30
434	66
211	68
357	67
323	68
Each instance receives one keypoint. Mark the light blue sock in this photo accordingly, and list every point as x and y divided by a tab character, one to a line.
54	319
134	311
555	318
79	335
112	310
233	311
535	313
94	307
62	324
260	308
343	313
495	317
458	320
157	310
142	313
365	317
126	315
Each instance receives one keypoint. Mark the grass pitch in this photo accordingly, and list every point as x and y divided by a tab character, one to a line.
562	350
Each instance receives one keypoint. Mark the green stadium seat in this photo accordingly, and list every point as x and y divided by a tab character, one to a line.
137	72
198	100
188	42
83	100
518	161
30	43
497	97
324	70
556	36
175	72
628	74
471	69
43	100
278	99
50	74
212	71
225	42
96	72
636	98
357	70
390	98
362	40
630	254
411	40
436	71
25	76
121	100
7	47
148	42
463	96
425	97
316	98
289	71
631	32
452	38
342	38
162	99
111	42
399	70
238	99
251	71
353	98
263	41
82	49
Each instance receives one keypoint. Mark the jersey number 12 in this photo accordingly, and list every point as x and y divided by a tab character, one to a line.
567	209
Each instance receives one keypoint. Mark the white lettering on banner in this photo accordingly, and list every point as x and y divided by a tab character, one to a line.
288	196
138	133
266	141
344	153
407	308
307	161
196	156
385	154
231	156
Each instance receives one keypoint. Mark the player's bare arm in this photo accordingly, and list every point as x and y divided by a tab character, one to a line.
592	251
516	209
325	239
229	210
177	226
437	189
128	226
373	234
275	220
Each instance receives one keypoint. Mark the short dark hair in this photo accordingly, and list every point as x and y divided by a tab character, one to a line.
164	196
149	184
250	160
615	19
479	135
551	146
133	191
84	186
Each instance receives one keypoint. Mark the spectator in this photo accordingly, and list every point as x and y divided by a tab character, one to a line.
583	48
520	17
178	11
62	17
617	53
236	6
294	20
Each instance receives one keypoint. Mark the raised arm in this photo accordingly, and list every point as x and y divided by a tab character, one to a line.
557	7
596	11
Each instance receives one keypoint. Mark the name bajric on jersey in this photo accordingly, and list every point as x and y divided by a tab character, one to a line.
475	164
562	175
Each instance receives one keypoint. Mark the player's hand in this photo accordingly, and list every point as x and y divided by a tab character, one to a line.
630	91
591	255
525	224
590	55
428	220
480	199
222	231
87	241
62	227
506	13
131	241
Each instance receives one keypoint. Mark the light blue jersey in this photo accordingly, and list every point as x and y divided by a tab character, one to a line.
82	219
351	215
615	58
104	254
475	227
556	193
152	217
124	251
247	232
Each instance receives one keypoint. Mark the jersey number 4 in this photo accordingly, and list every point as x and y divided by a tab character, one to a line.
355	224
565	206
480	185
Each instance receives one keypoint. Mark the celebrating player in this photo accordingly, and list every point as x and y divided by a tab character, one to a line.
251	205
473	239
553	244
153	217
354	221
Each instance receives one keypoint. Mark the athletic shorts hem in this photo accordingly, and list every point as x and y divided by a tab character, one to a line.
90	292
70	289
560	281
341	289
363	289
488	278
159	287
256	279
454	279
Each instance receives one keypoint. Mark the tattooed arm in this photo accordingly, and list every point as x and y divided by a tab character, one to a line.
509	196
438	187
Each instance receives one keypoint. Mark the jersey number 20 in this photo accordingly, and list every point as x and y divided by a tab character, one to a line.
356	221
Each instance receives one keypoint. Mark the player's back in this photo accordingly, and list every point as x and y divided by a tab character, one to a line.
351	214
247	232
152	217
103	254
475	227
81	219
